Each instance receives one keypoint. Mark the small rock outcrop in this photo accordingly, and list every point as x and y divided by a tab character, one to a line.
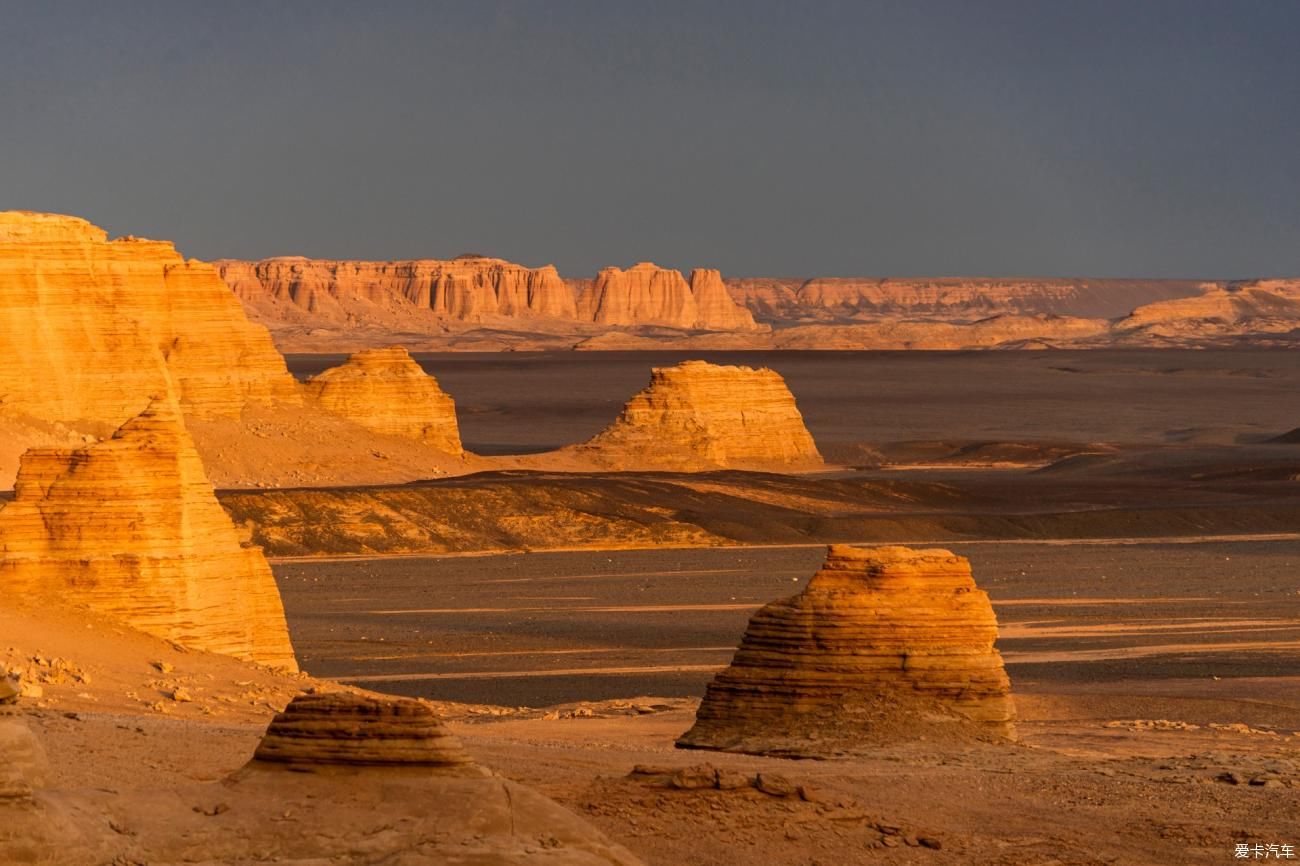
884	644
385	391
699	415
344	729
131	527
364	780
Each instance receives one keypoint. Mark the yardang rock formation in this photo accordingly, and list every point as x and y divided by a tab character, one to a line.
372	782
883	644
89	327
699	415
131	527
385	391
650	295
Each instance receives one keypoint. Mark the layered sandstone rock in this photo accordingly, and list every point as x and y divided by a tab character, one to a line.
371	782
90	327
130	527
1234	309
385	391
344	729
699	415
469	288
884	643
646	294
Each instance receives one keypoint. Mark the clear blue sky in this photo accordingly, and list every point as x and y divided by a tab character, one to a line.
765	138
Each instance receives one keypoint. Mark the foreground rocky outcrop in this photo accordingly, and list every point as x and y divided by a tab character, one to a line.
385	391
365	781
131	527
89	328
883	644
699	415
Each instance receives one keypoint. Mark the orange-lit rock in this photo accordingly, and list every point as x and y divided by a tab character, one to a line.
130	527
884	643
646	294
385	391
700	416
89	328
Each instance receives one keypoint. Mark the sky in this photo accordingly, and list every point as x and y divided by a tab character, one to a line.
921	137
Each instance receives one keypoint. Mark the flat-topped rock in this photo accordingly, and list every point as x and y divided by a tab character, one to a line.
385	391
704	416
647	294
345	729
884	644
90	327
131	527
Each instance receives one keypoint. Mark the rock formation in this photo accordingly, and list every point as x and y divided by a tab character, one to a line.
649	295
884	643
468	288
344	729
371	782
385	391
90	327
1233	309
131	527
699	416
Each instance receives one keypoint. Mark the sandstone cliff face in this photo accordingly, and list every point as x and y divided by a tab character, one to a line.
470	289
385	391
649	295
1260	306
131	527
90	327
884	643
699	415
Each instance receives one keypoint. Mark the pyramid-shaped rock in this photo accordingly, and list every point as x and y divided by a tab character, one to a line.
699	415
884	644
131	527
385	391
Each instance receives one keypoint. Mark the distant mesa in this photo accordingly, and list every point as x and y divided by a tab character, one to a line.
884	644
89	326
1291	437
365	779
699	415
384	390
131	527
650	295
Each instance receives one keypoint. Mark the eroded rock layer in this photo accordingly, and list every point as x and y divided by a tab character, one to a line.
884	643
131	527
90	327
362	731
646	294
385	391
701	415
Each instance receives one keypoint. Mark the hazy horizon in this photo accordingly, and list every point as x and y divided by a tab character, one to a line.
1106	139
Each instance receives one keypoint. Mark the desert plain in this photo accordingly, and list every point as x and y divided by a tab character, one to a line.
698	605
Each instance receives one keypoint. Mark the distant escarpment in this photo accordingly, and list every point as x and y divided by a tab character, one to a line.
385	391
699	415
883	644
333	304
130	527
89	328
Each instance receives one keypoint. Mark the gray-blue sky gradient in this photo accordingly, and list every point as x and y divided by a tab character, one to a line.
777	138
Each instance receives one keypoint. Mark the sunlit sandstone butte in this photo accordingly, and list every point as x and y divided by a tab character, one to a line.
131	527
883	644
362	780
699	415
385	391
90	327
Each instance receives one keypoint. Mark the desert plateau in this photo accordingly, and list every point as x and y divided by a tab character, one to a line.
727	508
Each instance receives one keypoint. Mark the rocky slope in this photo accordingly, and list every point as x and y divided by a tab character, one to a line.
385	391
130	527
700	415
1231	310
884	643
646	294
90	328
